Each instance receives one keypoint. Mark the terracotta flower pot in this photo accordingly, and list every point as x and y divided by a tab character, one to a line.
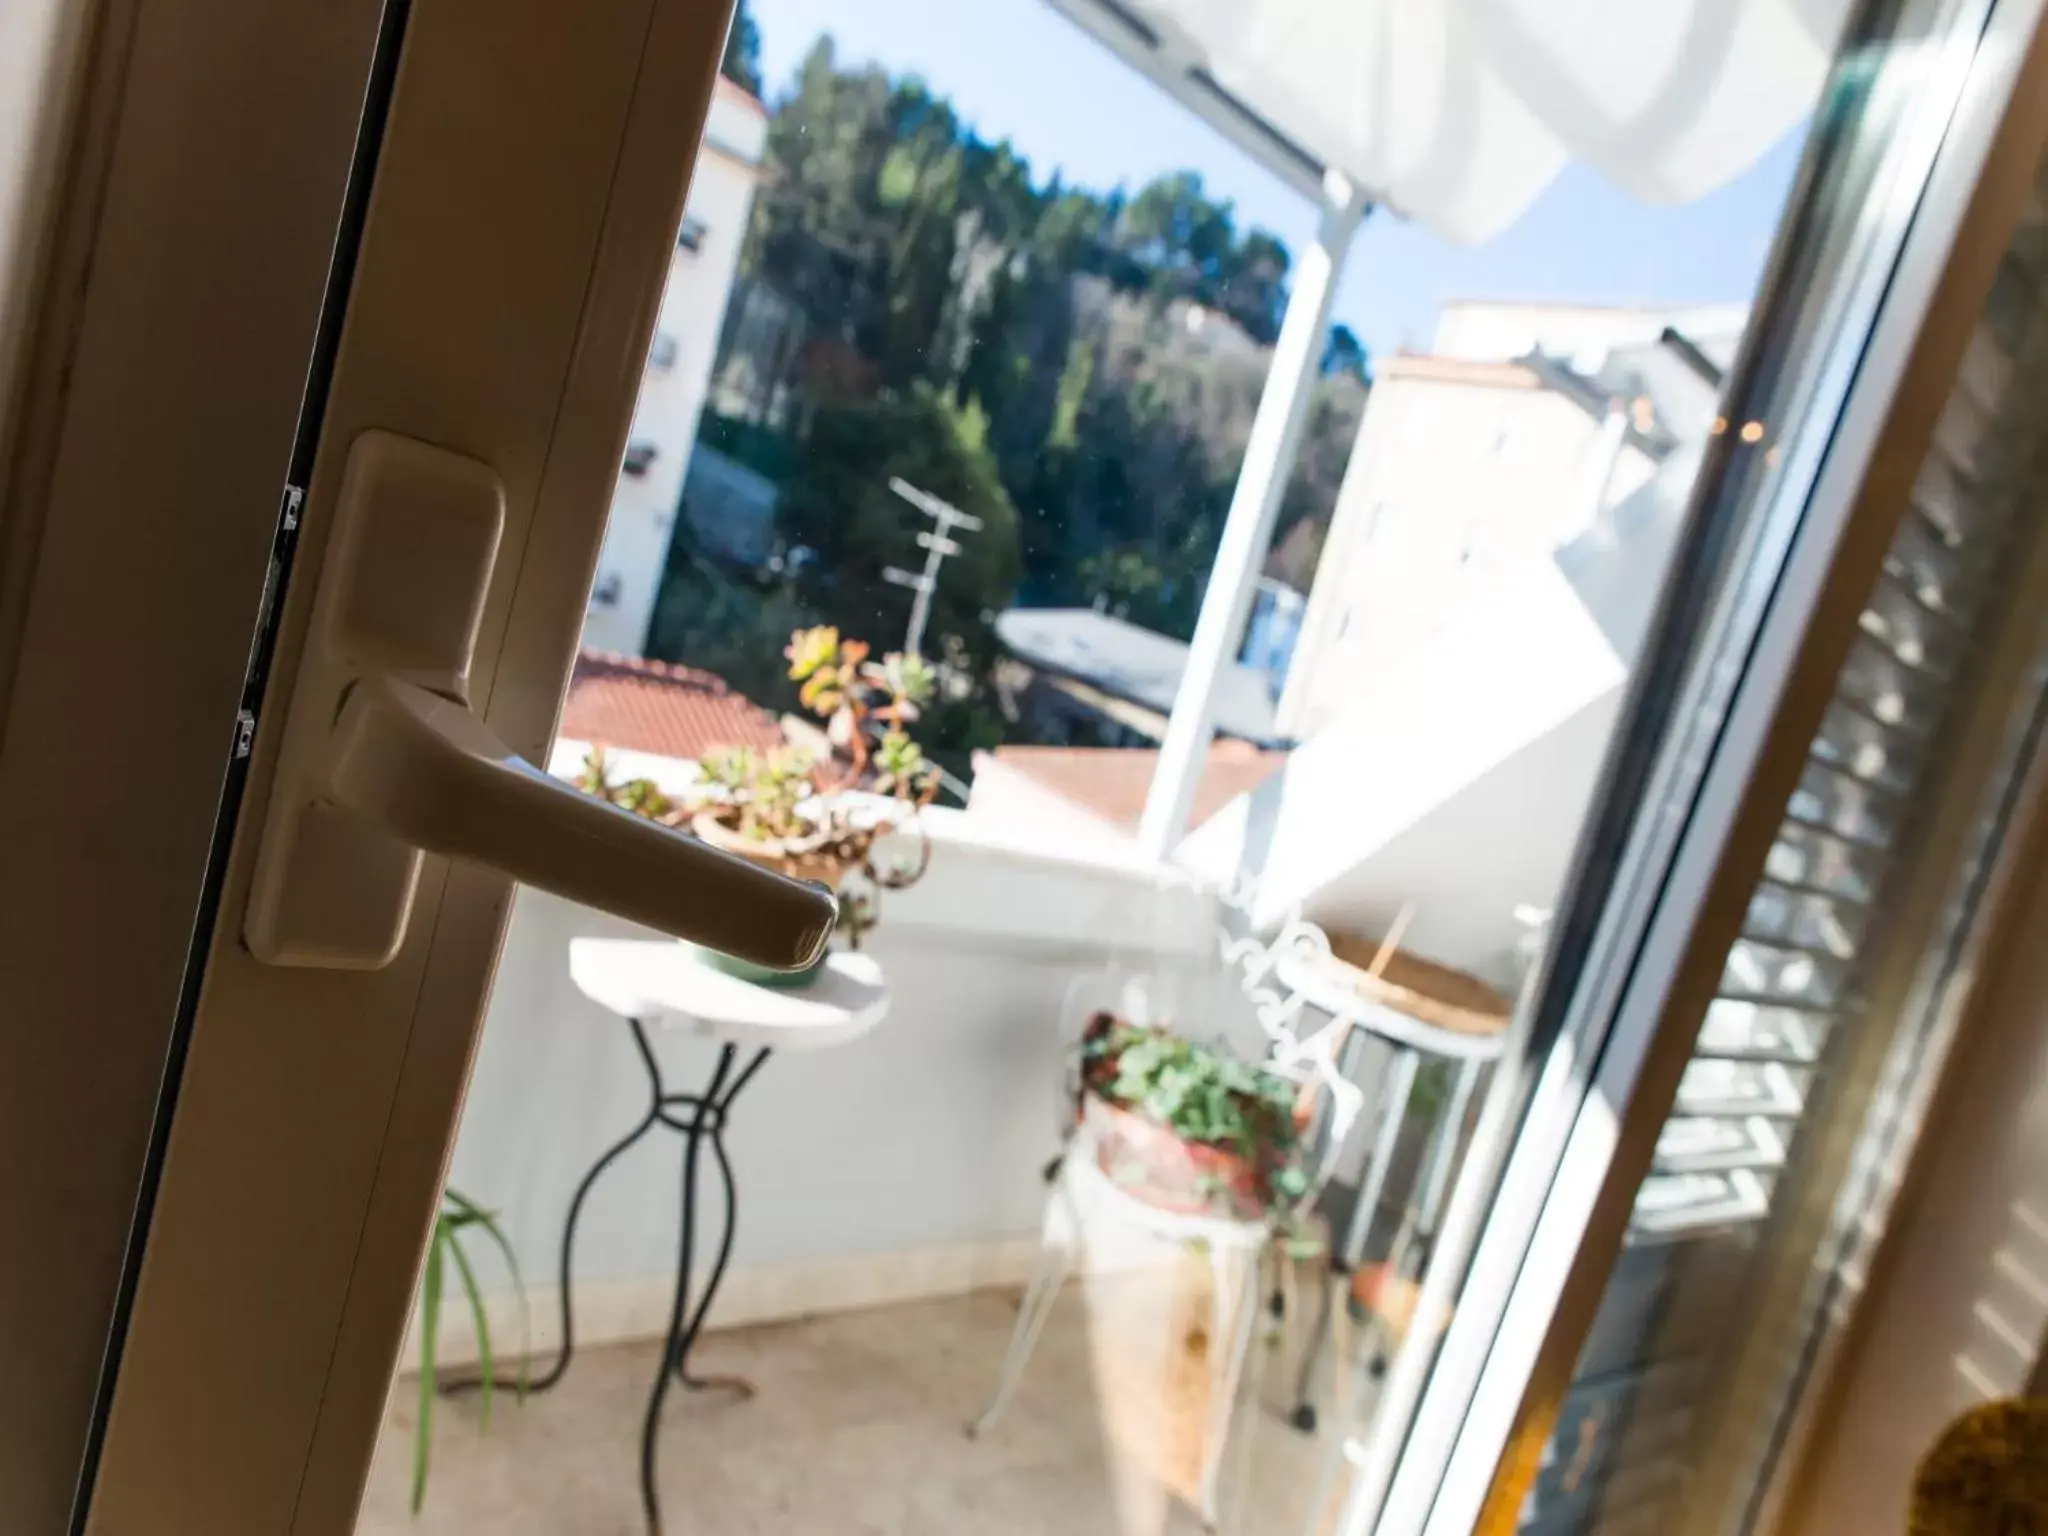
1149	1162
1377	1290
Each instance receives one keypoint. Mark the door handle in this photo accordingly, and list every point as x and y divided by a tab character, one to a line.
383	759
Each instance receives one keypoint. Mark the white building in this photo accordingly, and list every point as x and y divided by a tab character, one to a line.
1501	446
1490	330
700	278
1497	548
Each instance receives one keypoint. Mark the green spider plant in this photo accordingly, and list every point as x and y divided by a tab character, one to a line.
458	1215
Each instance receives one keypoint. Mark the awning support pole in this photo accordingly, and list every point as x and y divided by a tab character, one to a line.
1269	458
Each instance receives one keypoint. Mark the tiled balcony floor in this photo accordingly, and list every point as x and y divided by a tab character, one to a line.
857	1428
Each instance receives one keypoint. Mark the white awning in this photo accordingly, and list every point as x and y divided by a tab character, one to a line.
1458	113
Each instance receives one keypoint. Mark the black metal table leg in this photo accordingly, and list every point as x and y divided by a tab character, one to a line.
705	1121
698	1119
564	1272
716	1137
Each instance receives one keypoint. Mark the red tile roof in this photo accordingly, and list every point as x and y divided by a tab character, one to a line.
652	706
1113	781
727	86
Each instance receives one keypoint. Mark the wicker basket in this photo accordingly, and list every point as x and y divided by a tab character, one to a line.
1420	989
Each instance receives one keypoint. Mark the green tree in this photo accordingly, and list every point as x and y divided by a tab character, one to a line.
1344	353
846	527
742	62
734	628
839	509
1029	350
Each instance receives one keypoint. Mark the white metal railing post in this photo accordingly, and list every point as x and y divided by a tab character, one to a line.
1269	458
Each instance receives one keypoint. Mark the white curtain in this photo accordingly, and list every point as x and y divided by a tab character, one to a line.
1459	113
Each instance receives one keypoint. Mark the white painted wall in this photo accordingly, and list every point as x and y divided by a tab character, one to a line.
644	507
1496	846
1617	565
1449	481
1441	783
1491	569
1459	780
1458	466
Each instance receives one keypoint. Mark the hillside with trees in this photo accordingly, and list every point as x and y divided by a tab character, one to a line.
1078	368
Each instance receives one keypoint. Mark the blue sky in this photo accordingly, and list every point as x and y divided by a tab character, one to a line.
1016	69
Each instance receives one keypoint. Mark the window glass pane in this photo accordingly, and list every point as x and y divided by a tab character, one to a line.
1030	374
1744	1177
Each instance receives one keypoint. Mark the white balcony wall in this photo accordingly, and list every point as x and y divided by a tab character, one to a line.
905	1164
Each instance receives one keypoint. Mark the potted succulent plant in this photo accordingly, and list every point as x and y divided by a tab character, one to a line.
1189	1128
815	815
761	793
760	806
819	815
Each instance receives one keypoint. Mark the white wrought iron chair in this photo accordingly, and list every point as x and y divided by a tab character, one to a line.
1081	1196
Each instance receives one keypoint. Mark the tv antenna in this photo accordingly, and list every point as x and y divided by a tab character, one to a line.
937	544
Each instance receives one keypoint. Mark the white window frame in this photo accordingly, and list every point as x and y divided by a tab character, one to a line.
1582	1147
223	1363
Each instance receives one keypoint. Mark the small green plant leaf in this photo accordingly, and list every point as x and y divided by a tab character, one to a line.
487	1368
430	1330
489	1223
811	649
1206	1097
464	1206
